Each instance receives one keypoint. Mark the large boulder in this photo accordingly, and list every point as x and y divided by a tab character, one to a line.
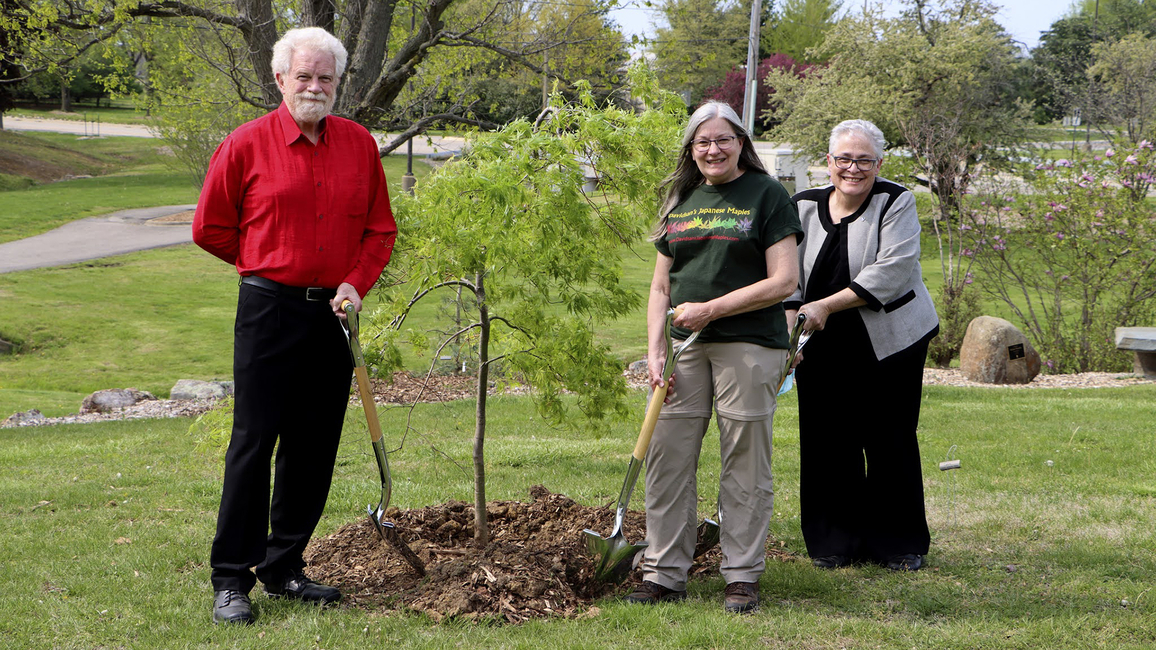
193	389
107	401
995	352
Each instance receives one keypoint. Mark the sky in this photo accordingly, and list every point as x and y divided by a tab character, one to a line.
1023	19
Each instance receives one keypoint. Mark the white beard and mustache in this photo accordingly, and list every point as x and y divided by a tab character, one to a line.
311	107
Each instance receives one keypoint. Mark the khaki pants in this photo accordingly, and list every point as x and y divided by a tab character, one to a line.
738	380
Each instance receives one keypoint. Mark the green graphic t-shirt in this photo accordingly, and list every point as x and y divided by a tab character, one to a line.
718	238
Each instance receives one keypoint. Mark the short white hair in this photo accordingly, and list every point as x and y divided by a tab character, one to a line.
861	128
313	39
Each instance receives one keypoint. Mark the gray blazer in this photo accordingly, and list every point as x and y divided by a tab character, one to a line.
883	257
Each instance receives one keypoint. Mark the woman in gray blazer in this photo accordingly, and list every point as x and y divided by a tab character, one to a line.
862	291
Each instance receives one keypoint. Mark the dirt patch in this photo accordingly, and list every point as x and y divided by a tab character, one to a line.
405	388
185	216
40	171
535	566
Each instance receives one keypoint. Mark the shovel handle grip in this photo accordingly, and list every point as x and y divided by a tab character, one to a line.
347	306
649	422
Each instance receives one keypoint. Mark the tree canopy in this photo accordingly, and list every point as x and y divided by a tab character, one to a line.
218	52
701	42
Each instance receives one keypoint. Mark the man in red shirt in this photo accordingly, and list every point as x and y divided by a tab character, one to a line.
297	201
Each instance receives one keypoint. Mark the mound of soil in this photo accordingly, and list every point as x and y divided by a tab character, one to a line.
536	564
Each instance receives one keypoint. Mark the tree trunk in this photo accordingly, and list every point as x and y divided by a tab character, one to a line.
365	61
260	35
318	13
481	517
403	66
65	97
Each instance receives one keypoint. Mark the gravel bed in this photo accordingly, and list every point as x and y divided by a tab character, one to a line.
455	387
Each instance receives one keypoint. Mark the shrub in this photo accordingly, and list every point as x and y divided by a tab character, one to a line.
1072	257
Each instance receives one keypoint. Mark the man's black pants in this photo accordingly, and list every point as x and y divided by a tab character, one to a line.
292	368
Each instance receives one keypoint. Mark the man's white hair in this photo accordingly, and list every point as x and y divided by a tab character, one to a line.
307	38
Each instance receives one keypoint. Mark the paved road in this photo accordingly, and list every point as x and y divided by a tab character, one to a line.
88	239
88	128
128	230
422	145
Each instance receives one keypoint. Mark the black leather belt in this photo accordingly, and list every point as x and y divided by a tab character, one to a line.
312	294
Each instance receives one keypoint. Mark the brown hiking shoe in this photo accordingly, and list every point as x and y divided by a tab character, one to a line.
649	593
741	597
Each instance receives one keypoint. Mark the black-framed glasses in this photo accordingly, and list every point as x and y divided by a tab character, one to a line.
862	164
725	142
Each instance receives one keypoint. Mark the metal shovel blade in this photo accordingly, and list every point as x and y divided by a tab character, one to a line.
388	532
384	528
708	535
615	555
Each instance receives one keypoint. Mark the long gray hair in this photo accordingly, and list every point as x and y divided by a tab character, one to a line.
686	175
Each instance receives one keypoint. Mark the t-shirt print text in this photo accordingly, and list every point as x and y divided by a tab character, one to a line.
708	223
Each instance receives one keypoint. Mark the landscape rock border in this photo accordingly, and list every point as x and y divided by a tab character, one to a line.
406	388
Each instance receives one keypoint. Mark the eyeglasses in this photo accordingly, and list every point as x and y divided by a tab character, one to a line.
862	164
725	142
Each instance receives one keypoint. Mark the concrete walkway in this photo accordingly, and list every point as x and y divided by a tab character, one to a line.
423	145
86	128
95	237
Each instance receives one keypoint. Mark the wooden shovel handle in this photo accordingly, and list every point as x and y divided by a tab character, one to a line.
367	403
364	388
649	422
654	407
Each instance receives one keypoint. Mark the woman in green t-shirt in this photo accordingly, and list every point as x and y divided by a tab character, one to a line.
726	241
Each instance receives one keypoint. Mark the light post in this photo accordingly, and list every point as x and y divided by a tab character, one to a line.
408	180
752	81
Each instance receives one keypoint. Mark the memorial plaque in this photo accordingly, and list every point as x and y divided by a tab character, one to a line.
1016	351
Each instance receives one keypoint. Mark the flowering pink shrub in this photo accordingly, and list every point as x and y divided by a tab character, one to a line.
1076	258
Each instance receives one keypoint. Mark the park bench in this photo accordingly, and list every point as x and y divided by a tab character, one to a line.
1142	342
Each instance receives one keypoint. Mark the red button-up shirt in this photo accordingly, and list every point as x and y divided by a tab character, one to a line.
302	214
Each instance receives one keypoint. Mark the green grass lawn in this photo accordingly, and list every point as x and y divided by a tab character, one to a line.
107	529
1046	538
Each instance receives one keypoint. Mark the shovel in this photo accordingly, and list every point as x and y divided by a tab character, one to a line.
615	555
799	338
377	515
708	530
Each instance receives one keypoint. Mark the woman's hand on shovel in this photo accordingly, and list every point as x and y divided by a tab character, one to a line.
345	291
654	364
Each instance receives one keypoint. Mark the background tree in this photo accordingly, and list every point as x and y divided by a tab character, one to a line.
701	41
1060	64
229	45
732	90
1125	70
939	81
537	260
797	26
1061	82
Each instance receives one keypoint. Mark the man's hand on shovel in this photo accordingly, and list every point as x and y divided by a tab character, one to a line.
376	515
345	294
